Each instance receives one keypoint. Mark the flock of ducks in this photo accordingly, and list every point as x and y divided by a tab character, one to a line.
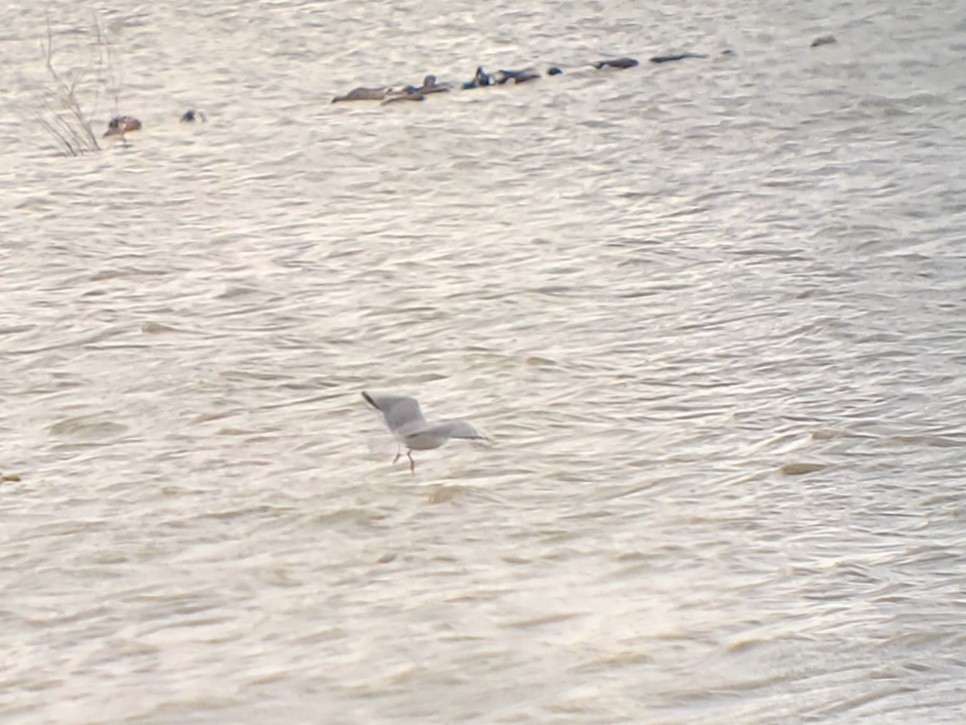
120	125
482	79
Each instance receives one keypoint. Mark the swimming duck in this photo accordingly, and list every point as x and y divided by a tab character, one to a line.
191	115
517	76
677	56
403	95
429	86
479	80
616	63
364	94
120	125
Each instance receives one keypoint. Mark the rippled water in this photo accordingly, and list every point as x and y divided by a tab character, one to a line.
712	312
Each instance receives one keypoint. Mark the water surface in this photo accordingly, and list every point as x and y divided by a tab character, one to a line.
712	312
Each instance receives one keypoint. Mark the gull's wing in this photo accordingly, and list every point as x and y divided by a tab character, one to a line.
455	429
397	410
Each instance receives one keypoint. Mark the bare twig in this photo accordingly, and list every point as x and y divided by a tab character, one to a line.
63	116
113	81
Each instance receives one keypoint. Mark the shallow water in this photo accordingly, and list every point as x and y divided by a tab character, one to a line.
713	314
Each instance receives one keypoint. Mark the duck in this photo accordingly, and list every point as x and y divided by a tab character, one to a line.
616	63
403	95
517	76
676	56
824	40
364	94
429	86
120	125
191	115
479	80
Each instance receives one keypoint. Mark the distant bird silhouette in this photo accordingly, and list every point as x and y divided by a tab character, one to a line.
616	63
403	95
429	86
480	79
676	56
517	76
363	94
120	125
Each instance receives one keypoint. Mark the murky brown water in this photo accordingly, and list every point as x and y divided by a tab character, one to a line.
713	314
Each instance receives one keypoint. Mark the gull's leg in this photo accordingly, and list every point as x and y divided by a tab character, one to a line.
412	463
398	454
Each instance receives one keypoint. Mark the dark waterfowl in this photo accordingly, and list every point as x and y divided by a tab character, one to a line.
554	71
677	56
364	94
616	63
429	86
191	115
479	80
120	125
403	95
517	76
824	40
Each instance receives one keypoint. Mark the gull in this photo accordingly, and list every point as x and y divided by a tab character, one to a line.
406	422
